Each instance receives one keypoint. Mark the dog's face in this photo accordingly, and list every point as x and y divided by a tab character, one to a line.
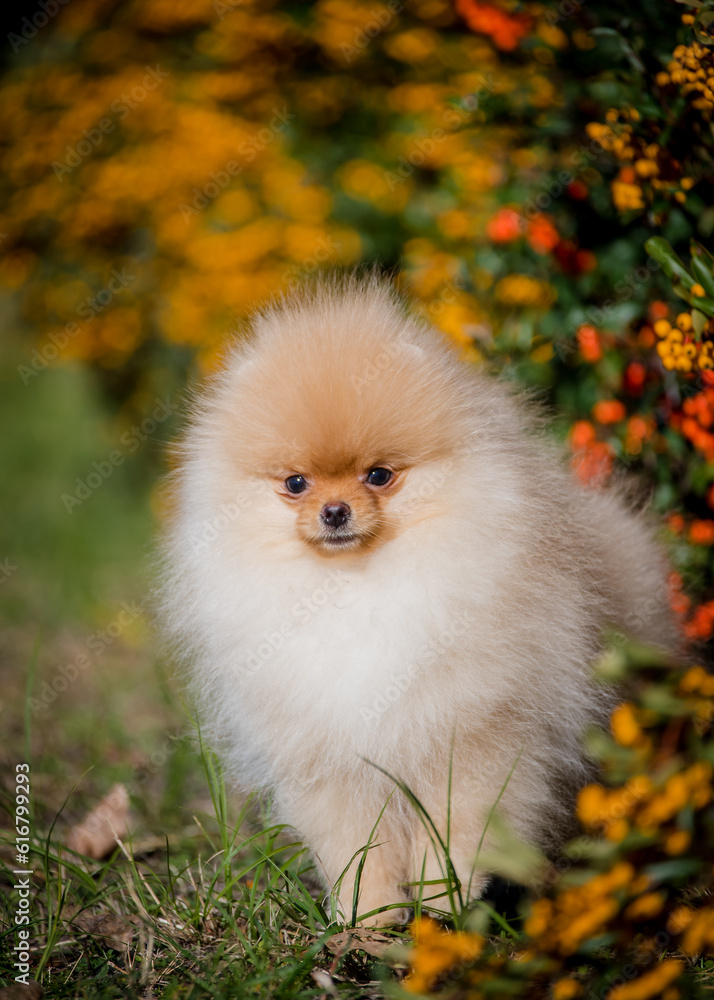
341	510
344	421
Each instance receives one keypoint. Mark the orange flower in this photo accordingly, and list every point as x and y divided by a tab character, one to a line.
593	465
702	533
577	190
634	378
582	433
625	726
609	411
678	600
504	226
585	261
639	428
542	234
658	310
572	260
506	30
638	431
628	175
589	343
701	625
646	337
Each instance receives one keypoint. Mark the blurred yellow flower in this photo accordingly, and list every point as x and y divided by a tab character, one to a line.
651	984
522	290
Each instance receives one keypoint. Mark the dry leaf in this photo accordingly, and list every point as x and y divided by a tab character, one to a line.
96	835
18	991
118	931
359	939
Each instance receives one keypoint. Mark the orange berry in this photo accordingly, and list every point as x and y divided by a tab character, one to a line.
658	310
582	433
702	533
609	411
589	343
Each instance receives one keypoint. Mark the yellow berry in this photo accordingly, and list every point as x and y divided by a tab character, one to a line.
677	842
697	290
662	327
684	322
680	196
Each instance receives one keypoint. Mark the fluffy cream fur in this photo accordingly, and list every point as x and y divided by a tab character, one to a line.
465	600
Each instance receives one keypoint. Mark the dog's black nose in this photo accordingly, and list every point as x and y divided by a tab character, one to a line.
335	514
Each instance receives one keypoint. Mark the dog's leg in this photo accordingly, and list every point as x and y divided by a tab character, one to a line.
337	823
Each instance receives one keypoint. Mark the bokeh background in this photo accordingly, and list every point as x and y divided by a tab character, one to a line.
169	166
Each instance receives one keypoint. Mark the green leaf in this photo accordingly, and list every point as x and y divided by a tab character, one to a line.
682	281
703	267
699	321
672	266
703	304
678	868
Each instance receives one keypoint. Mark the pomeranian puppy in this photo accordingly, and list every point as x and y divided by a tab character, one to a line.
377	565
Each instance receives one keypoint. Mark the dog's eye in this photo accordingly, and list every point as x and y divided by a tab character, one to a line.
379	476
296	484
